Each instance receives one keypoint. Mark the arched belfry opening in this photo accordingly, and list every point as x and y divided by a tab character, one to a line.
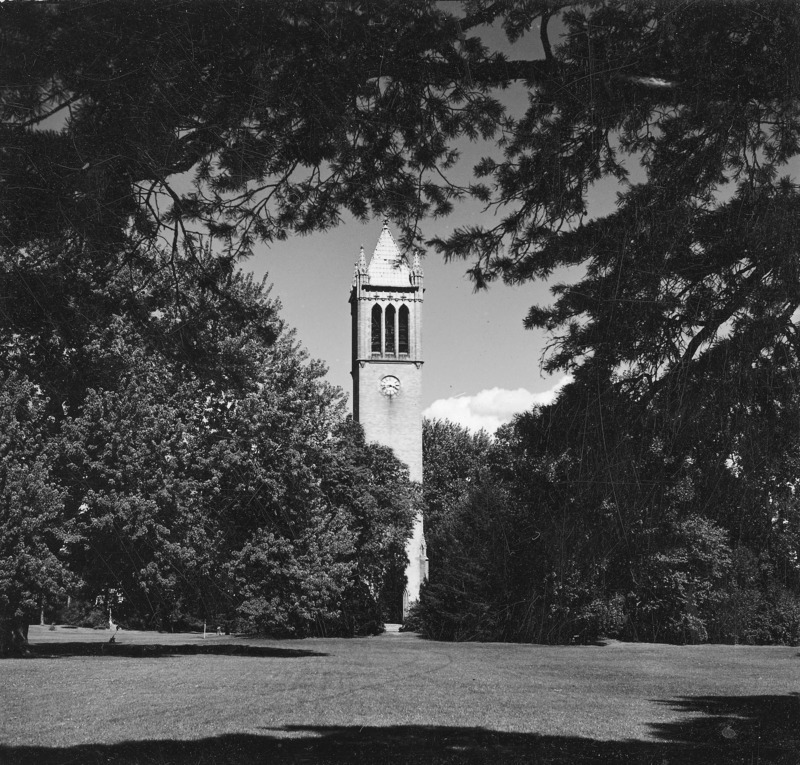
376	330
386	309
402	331
390	314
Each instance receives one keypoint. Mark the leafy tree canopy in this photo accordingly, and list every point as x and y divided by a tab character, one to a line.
182	458
246	121
163	121
452	459
129	132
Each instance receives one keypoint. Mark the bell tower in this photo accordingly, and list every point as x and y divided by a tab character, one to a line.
386	310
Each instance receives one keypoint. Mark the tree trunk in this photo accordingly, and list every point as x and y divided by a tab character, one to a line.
13	637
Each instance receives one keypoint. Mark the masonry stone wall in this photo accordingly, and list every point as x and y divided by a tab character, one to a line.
392	420
395	421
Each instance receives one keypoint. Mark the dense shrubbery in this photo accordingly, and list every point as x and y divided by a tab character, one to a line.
671	457
81	614
194	463
631	506
526	552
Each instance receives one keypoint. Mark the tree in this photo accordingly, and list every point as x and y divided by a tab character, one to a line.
689	288
680	330
472	592
143	534
32	526
284	113
194	456
642	523
518	548
372	488
702	244
213	90
453	457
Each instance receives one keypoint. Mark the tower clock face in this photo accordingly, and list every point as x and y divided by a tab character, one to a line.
390	386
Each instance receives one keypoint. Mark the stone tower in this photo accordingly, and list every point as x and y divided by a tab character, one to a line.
386	309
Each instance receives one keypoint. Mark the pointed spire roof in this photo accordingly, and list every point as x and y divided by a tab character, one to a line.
388	267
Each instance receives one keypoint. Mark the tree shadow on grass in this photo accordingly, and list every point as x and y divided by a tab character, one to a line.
157	650
698	740
742	726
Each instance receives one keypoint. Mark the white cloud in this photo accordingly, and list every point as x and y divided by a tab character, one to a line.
491	408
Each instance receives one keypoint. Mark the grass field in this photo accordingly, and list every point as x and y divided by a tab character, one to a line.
159	698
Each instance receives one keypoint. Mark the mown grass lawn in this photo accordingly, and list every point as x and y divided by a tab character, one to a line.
161	698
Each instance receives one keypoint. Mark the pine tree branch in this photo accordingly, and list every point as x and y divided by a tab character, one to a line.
486	16
41	117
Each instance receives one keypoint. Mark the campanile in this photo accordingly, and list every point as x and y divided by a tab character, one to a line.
386	310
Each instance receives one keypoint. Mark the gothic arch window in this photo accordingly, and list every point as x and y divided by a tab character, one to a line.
402	331
389	317
376	329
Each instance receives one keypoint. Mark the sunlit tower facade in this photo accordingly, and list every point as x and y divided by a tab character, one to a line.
386	309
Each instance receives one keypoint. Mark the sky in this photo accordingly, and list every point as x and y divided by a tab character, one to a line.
481	366
473	343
